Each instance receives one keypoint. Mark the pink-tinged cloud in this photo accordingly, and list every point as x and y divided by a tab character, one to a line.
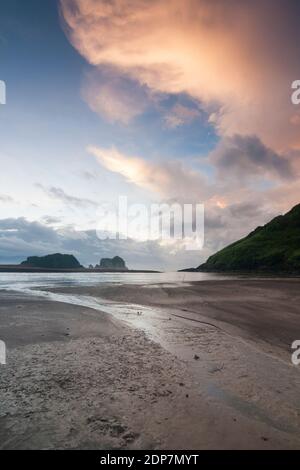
113	97
169	179
235	191
238	58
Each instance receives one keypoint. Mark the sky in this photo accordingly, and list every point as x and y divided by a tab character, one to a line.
185	101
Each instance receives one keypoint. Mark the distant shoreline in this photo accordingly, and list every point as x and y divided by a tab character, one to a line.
236	272
26	269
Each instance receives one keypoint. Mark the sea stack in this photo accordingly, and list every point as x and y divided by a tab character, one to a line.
117	263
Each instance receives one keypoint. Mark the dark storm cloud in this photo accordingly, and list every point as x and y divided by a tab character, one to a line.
244	156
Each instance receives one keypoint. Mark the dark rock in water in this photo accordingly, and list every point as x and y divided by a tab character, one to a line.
55	261
113	263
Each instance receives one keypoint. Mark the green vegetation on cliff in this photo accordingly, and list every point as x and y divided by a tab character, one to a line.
275	247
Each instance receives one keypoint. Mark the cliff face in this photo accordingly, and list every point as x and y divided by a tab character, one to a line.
113	263
275	247
55	261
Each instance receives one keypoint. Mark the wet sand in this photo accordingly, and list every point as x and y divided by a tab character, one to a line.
77	379
266	312
144	377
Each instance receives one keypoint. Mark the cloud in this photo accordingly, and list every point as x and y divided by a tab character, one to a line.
88	175
167	179
283	197
180	115
114	97
239	160
238	59
246	156
20	238
60	195
5	199
50	220
246	210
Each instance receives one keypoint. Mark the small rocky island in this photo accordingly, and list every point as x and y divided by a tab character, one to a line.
62	261
59	262
116	263
55	261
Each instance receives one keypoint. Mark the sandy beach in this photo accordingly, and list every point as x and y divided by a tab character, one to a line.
204	365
